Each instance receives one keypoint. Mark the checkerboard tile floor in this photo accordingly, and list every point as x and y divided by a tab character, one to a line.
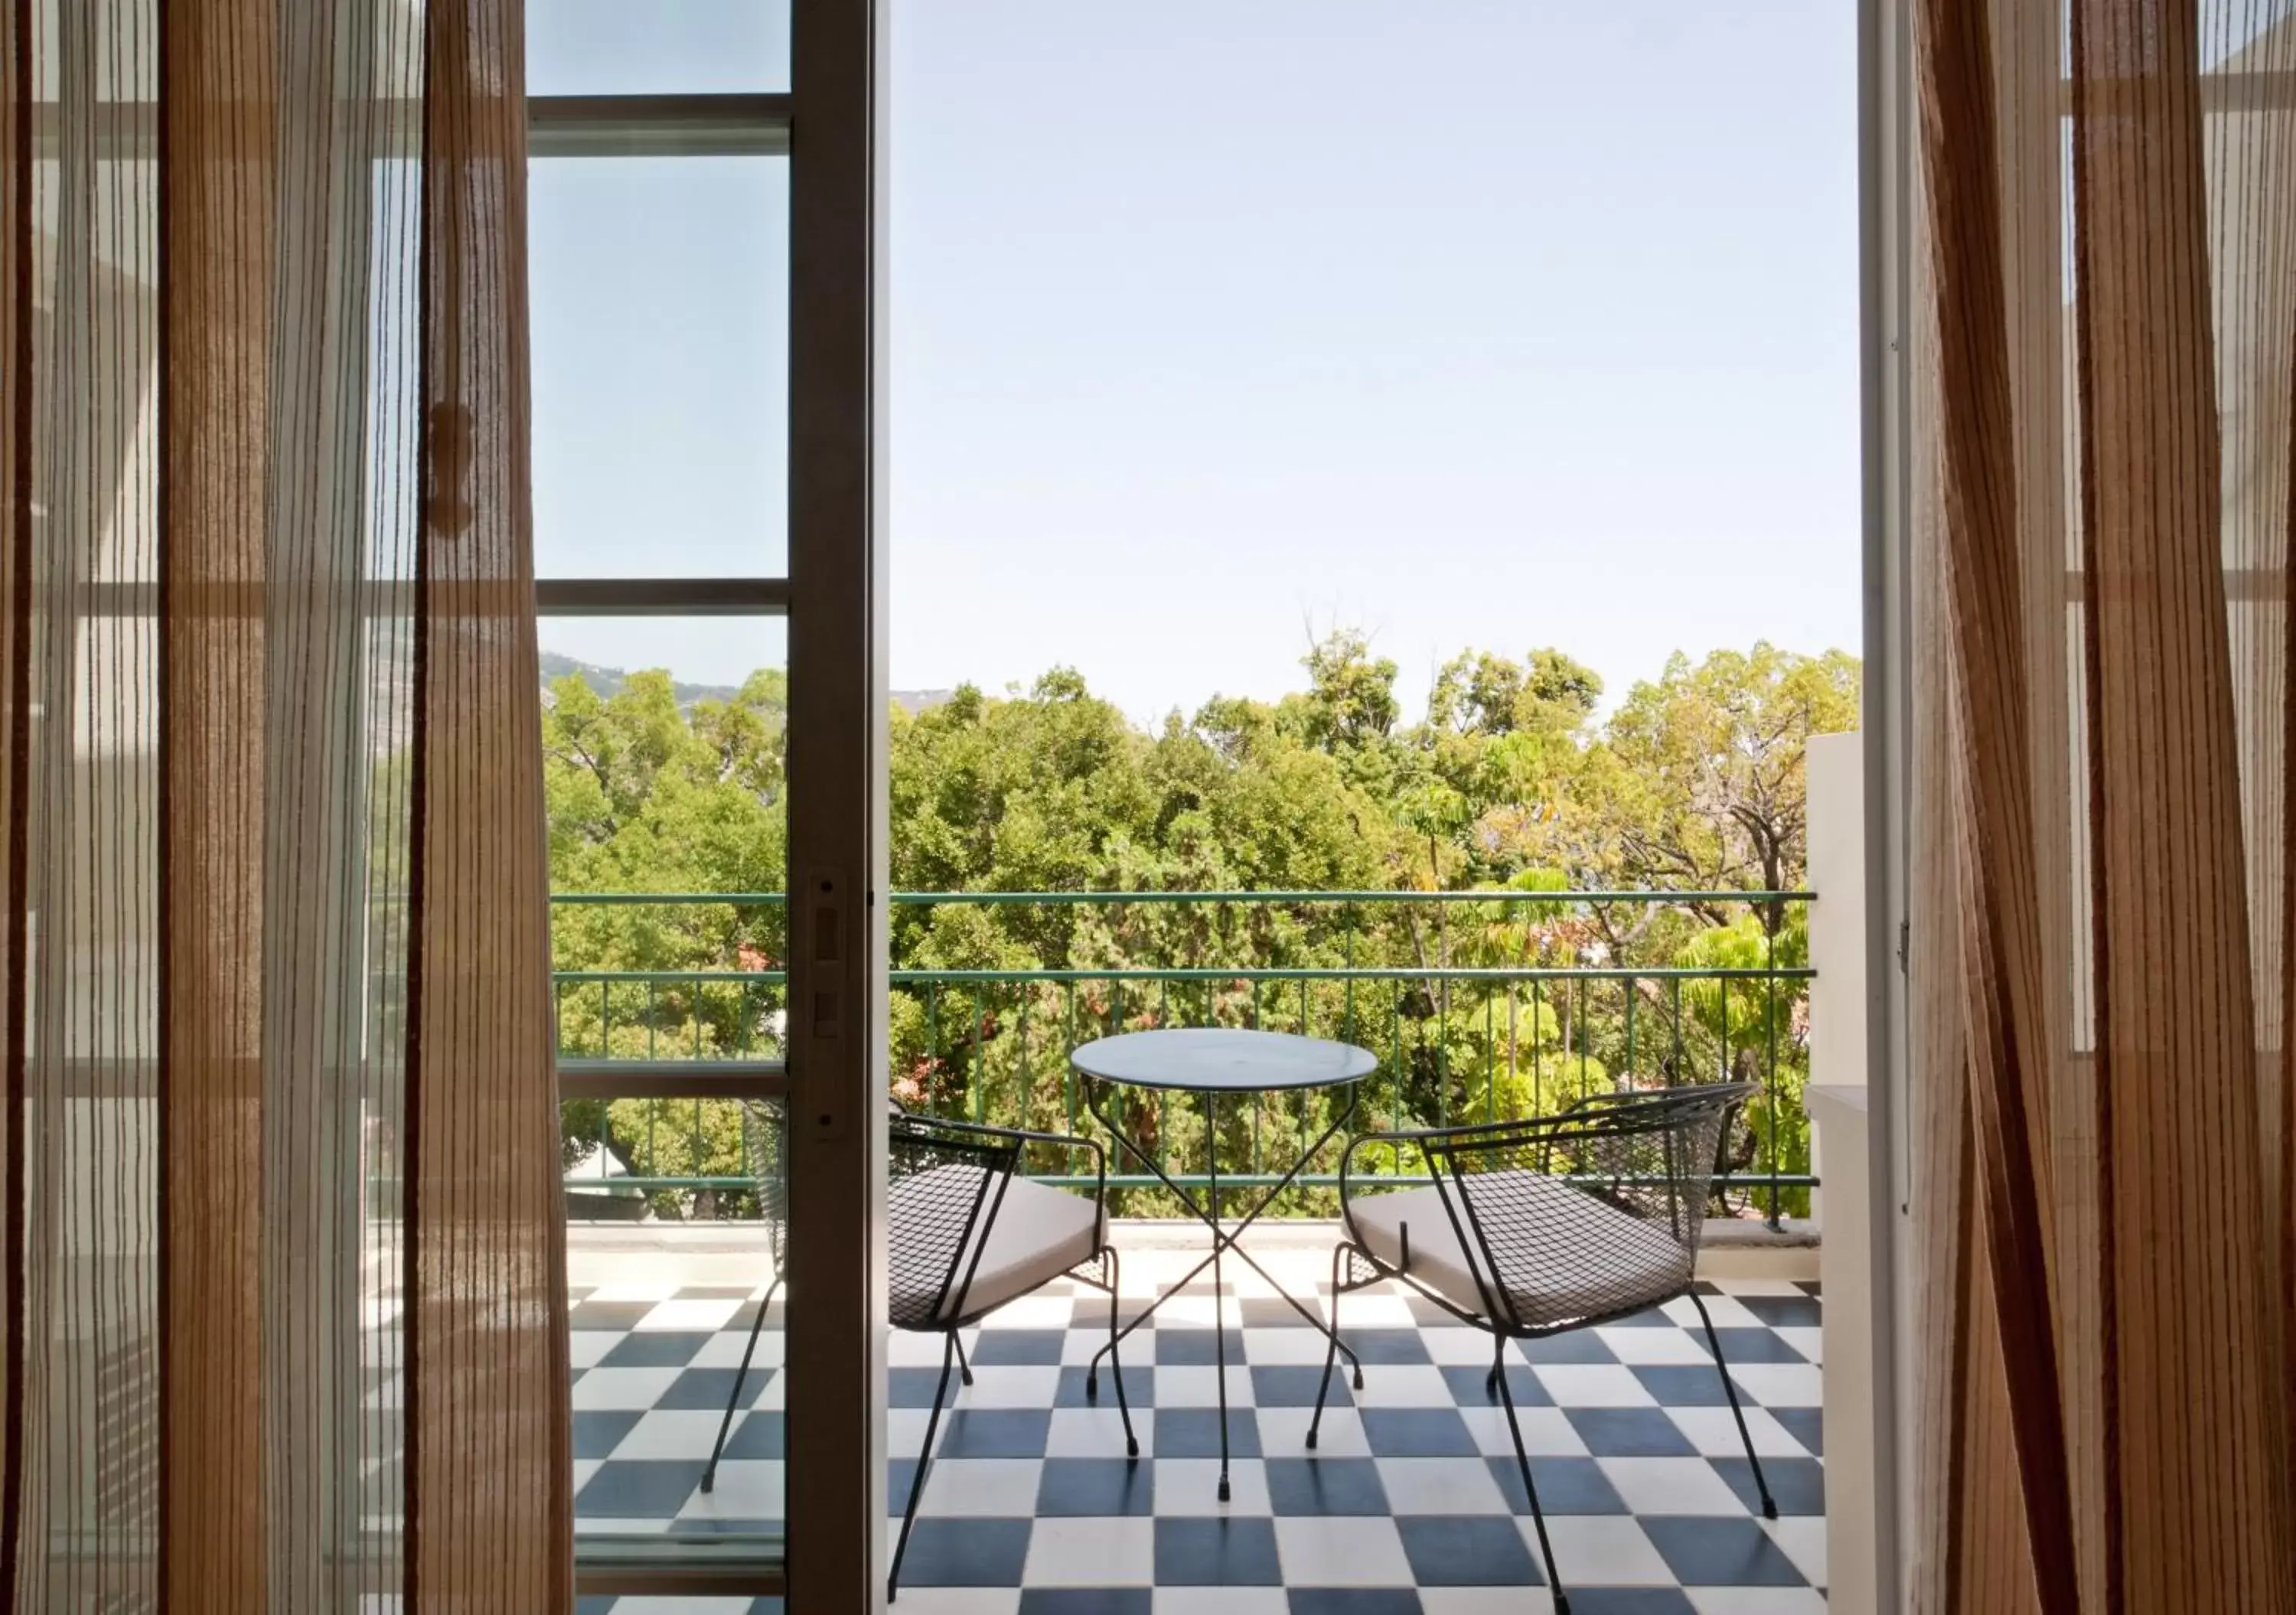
1412	1502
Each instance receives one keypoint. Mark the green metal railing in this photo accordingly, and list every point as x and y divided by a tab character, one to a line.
1458	1041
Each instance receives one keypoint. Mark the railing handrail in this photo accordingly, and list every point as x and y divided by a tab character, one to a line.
899	899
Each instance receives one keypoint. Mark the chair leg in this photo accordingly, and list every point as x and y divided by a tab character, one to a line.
1714	1341
925	1464
1498	1360
1115	1367
1330	1351
962	1367
1531	1489
734	1399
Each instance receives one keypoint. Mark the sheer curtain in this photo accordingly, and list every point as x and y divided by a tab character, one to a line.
2104	362
281	1268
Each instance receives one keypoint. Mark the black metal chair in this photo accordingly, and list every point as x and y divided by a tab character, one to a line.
967	1235
763	1137
1533	1228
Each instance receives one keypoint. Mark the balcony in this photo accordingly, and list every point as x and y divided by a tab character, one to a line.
1480	1005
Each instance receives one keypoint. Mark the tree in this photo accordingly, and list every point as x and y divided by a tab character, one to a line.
1698	778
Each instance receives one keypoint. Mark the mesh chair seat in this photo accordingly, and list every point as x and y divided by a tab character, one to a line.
1037	1233
1591	1259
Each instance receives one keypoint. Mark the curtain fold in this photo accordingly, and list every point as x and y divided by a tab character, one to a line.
281	1252
2103	358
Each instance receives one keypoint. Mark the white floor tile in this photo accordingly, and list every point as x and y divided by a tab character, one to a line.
694	1316
1756	1601
1199	1387
747	1488
1098	1432
671	1433
1266	1348
1221	1601
1458	1346
1802	1538
1593	1385
1546	1432
1403	1385
1038	1311
1655	1348
1284	1433
1781	1384
586	1347
1808	1341
1715	1433
1601	1550
1319	1552
1092	1553
982	1488
956	1601
1016	1385
624	1389
1487	1601
1672	1485
1441	1485
1727	1313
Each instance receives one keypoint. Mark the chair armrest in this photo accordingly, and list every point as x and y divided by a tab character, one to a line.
1022	1136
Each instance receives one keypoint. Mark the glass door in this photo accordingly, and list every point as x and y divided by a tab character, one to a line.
709	600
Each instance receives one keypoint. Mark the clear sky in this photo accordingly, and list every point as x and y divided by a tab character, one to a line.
1488	322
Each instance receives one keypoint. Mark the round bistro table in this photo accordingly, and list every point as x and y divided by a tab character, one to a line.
1217	1062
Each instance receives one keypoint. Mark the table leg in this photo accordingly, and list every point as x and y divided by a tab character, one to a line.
1219	1322
1222	1241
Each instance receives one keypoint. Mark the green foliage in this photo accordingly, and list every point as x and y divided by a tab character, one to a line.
1511	782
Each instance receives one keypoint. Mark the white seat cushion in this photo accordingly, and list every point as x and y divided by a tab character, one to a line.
1037	1233
1588	1259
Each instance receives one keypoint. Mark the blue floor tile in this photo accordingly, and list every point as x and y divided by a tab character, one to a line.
1717	1553
1566	1486
1471	1387
640	1488
1629	1432
699	1388
1273	1312
900	1474
1194	1347
1467	1550
1785	1311
1096	1487
763	1433
1139	1385
995	1433
659	1348
596	1434
1217	1553
1806	1425
1417	1433
1194	1433
1798	1485
1325	1486
914	1387
1355	1601
1630	1601
1687	1385
1288	1385
1087	1600
1384	1345
946	1553
1755	1346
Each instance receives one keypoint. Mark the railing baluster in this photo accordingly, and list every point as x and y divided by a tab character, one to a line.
1773	1088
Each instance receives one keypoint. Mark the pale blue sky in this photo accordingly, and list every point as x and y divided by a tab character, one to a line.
1490	322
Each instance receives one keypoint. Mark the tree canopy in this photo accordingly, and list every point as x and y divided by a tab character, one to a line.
1515	779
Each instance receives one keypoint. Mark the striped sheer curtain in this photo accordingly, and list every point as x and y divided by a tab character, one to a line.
281	1268
2104	362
